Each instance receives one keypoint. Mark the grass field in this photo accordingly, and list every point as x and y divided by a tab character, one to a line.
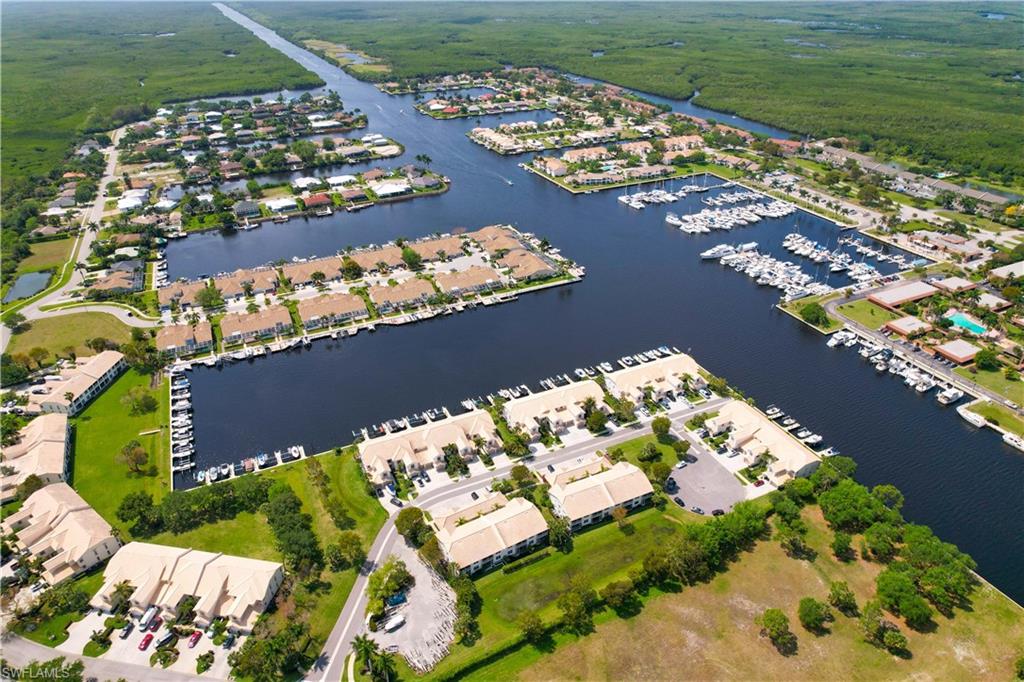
867	313
54	631
57	333
997	414
102	62
47	255
101	430
899	76
707	632
793	308
996	381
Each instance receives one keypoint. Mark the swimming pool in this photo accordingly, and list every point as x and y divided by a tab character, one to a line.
964	322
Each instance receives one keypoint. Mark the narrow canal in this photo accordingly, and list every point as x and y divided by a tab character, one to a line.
645	286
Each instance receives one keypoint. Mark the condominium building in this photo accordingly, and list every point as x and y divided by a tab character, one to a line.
77	385
43	450
489	531
588	489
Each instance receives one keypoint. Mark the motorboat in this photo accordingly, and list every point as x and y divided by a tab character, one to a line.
971	417
1014	441
949	395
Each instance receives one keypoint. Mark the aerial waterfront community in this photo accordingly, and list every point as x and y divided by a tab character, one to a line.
347	367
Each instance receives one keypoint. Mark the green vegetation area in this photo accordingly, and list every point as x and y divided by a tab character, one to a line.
711	628
47	255
57	334
811	311
1000	416
995	381
72	68
49	626
867	313
106	426
896	78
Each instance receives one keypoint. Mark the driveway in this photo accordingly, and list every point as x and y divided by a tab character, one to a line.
706	483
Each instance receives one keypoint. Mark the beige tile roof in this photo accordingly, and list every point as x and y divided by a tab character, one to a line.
558	404
430	248
178	335
330	305
40	451
494	238
753	433
247	323
470	278
298	273
585	154
367	260
661	375
233	284
424	444
486	527
234	587
185	292
60	526
77	380
592	484
409	290
526	264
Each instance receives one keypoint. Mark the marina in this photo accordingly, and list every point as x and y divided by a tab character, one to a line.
644	284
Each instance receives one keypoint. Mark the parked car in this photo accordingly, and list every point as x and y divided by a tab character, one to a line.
395	501
696	510
474	495
717	512
166	639
144	644
229	641
681	465
155	625
758	483
194	638
679	501
126	630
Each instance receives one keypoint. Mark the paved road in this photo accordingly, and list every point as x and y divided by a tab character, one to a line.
331	662
21	652
921	358
83	247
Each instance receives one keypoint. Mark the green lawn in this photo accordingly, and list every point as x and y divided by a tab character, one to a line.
996	381
102	429
793	308
709	629
57	333
47	255
601	555
54	631
1001	416
867	313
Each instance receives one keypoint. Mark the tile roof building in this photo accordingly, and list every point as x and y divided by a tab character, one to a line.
472	280
958	350
78	385
56	526
893	297
526	265
237	589
411	292
586	490
495	238
180	340
489	531
431	249
755	435
660	376
267	322
324	311
422	447
43	450
368	260
561	408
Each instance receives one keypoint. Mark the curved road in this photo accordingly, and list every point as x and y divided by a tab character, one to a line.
331	663
80	256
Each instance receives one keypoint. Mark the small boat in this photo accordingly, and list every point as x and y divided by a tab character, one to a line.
1014	441
225	470
812	439
261	459
201	476
773	412
971	417
788	421
211	474
803	433
949	395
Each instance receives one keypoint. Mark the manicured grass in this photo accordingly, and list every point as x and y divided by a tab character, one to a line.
793	308
57	333
102	429
709	629
600	555
996	381
47	255
1001	416
867	313
54	631
245	535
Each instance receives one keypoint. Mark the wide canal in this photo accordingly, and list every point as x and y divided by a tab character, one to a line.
645	286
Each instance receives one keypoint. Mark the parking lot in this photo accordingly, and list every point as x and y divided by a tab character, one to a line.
127	650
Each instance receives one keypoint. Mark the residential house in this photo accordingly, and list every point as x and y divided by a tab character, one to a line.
324	311
586	490
473	280
488	532
559	409
181	340
77	385
527	265
43	450
245	327
659	378
409	293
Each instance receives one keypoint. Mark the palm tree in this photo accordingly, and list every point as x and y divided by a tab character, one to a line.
122	593
366	649
383	666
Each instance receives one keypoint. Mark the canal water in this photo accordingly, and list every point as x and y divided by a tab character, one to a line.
645	286
26	285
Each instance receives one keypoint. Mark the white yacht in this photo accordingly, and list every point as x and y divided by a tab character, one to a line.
718	251
949	395
971	417
1013	440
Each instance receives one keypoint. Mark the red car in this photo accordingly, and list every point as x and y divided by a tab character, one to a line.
155	625
758	483
193	638
144	644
